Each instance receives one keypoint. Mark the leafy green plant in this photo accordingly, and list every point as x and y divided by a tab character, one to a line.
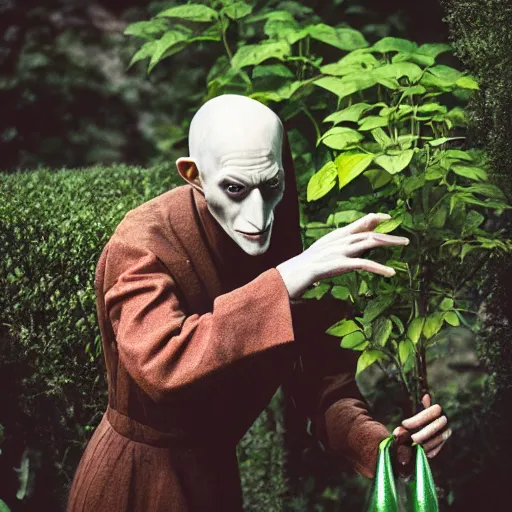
401	139
393	144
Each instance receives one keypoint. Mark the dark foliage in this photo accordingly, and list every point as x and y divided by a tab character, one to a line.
480	30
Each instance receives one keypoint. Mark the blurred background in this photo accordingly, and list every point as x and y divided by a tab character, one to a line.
68	100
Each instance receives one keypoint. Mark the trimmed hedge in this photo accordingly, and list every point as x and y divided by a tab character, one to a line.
480	32
53	227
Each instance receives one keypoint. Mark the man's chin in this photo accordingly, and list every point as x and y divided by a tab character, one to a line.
254	246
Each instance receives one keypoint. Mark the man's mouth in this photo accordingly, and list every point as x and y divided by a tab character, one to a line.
258	235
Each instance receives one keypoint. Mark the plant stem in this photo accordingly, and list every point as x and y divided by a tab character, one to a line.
317	129
225	41
396	362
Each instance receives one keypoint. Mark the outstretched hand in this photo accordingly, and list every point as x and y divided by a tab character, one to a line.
339	252
429	428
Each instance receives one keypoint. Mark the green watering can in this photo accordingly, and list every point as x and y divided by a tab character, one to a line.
421	491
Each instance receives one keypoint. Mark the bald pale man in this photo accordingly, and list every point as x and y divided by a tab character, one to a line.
200	310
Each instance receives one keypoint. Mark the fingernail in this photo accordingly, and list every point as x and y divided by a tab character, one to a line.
384	216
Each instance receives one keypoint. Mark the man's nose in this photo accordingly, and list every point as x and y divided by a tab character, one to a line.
255	210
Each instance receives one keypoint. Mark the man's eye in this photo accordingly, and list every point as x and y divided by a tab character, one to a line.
273	183
231	188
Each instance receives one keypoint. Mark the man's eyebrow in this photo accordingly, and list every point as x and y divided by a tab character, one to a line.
247	179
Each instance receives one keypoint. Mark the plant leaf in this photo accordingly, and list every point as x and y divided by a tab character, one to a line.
340	292
434	49
144	52
352	113
405	350
414	329
389	225
190	12
336	86
413	90
394	44
395	163
473	220
382	139
473	173
446	304
350	165
466	82
378	178
367	358
356	60
317	292
146	29
433	324
254	54
398	323
343	327
445	73
343	38
353	339
167	41
237	10
382	328
412	183
443	140
322	181
486	189
372	122
344	217
398	70
377	306
340	137
279	70
451	318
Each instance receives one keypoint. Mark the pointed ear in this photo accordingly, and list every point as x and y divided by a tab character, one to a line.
187	169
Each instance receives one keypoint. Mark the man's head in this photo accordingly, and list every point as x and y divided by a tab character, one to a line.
235	146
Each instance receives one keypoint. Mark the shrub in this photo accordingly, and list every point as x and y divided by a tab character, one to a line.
53	226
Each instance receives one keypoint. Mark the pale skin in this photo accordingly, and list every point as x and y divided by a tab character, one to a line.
238	167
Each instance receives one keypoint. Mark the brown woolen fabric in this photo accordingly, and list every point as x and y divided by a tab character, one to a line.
197	336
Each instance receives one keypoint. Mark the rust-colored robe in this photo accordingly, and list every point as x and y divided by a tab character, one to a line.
197	337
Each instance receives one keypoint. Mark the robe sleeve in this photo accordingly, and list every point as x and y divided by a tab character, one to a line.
166	351
325	390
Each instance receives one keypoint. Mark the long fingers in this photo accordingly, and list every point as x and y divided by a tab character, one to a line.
367	223
431	454
430	430
361	264
435	443
423	417
373	240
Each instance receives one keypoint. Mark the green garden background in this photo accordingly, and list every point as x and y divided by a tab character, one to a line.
400	107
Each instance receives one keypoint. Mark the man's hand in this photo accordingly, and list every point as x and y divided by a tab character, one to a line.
337	253
431	432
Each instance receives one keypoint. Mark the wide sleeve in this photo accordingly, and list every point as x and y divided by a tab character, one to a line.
166	351
324	388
